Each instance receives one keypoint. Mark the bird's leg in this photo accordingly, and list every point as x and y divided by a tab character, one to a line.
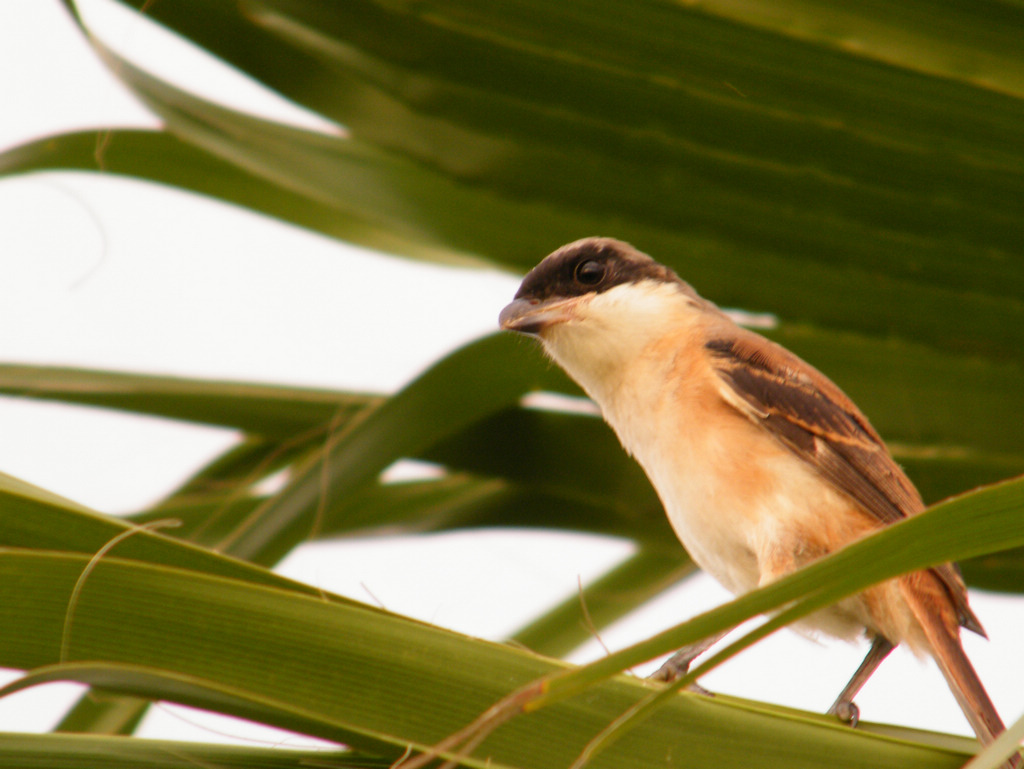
843	708
678	664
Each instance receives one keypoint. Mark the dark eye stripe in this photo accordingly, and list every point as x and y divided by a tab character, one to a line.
592	264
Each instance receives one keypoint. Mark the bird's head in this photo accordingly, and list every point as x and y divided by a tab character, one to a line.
596	303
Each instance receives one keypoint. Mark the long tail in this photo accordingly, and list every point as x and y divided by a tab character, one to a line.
941	630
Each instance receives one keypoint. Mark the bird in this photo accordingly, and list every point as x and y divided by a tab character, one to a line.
761	462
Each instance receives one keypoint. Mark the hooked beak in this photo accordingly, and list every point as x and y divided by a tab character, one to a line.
531	316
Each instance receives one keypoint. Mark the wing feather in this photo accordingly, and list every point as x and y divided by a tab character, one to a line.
807	412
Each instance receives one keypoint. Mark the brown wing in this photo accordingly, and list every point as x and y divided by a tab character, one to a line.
802	407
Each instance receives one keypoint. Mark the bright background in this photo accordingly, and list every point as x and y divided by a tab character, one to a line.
104	272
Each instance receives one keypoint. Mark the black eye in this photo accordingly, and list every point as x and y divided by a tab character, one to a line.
589	273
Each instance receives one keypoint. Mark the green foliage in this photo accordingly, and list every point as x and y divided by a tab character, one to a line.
855	171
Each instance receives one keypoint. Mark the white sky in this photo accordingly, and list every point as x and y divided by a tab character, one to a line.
111	273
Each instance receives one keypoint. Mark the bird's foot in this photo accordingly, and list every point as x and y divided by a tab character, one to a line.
846	711
670	671
677	666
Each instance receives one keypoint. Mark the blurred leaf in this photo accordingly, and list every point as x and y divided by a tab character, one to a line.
258	409
866	195
474	382
923	397
162	158
349	62
630	584
1002	571
576	457
972	42
556	469
100	712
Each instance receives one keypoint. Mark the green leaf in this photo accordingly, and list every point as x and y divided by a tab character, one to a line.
866	195
974	524
854	170
259	409
630	584
476	381
35	751
100	712
34	519
345	672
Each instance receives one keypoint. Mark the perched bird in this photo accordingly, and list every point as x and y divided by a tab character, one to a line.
761	462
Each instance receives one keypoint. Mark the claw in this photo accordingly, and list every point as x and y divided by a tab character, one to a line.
847	712
671	670
678	665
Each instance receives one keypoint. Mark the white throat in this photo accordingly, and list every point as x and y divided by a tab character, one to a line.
611	345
